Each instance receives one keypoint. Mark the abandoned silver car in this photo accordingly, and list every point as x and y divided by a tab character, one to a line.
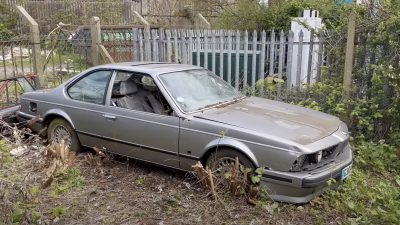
175	115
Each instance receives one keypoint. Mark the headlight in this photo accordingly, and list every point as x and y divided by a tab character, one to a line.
343	128
298	164
318	156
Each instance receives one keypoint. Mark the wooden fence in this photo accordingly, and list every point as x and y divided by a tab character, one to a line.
241	58
171	13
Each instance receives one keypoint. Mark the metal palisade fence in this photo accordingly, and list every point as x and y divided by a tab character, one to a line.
240	58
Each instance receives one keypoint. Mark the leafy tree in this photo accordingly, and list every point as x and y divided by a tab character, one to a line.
7	21
250	15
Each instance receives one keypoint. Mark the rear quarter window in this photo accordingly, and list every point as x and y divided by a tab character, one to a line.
92	88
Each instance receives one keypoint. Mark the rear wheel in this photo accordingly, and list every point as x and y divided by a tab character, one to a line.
58	130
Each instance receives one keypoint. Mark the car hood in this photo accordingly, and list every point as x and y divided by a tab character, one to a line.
274	118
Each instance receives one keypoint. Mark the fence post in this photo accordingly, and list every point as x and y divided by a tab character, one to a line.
348	65
142	20
35	41
201	22
104	53
95	32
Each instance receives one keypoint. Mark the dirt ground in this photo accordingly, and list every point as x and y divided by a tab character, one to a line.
123	191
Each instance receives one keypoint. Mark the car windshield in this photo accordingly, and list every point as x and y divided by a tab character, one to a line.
198	89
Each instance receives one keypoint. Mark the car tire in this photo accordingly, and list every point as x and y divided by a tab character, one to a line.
59	129
225	156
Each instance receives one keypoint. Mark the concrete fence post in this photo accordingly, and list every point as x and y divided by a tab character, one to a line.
95	33
348	66
201	22
142	20
35	42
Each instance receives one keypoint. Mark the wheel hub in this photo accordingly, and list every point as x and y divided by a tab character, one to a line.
61	133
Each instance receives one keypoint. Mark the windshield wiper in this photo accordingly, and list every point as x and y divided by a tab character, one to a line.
224	103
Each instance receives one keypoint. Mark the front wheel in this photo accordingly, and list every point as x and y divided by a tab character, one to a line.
59	130
222	159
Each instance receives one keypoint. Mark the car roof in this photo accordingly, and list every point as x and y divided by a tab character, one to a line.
151	68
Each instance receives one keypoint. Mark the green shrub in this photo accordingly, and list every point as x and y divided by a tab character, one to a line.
366	199
379	158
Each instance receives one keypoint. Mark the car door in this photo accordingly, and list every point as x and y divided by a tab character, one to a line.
85	105
143	135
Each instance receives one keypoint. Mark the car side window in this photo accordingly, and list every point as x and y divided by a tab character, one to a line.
138	92
92	88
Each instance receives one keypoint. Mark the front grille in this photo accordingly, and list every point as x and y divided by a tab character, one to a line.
328	155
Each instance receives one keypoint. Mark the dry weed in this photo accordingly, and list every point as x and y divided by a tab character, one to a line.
58	158
100	158
238	181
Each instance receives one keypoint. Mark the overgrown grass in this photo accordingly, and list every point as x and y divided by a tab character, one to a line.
5	156
67	180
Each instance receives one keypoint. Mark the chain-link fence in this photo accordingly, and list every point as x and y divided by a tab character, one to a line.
63	54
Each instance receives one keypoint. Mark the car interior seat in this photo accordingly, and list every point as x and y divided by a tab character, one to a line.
124	95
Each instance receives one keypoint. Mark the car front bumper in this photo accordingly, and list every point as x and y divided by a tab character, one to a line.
302	187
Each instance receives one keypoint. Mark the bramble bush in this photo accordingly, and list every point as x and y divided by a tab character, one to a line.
371	109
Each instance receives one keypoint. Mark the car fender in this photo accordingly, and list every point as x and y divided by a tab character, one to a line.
60	113
231	143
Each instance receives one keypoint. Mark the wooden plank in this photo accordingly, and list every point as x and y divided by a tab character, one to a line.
237	62
310	56
246	58
229	71
272	54
299	59
254	62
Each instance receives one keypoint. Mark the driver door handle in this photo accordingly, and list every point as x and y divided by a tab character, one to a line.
110	117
